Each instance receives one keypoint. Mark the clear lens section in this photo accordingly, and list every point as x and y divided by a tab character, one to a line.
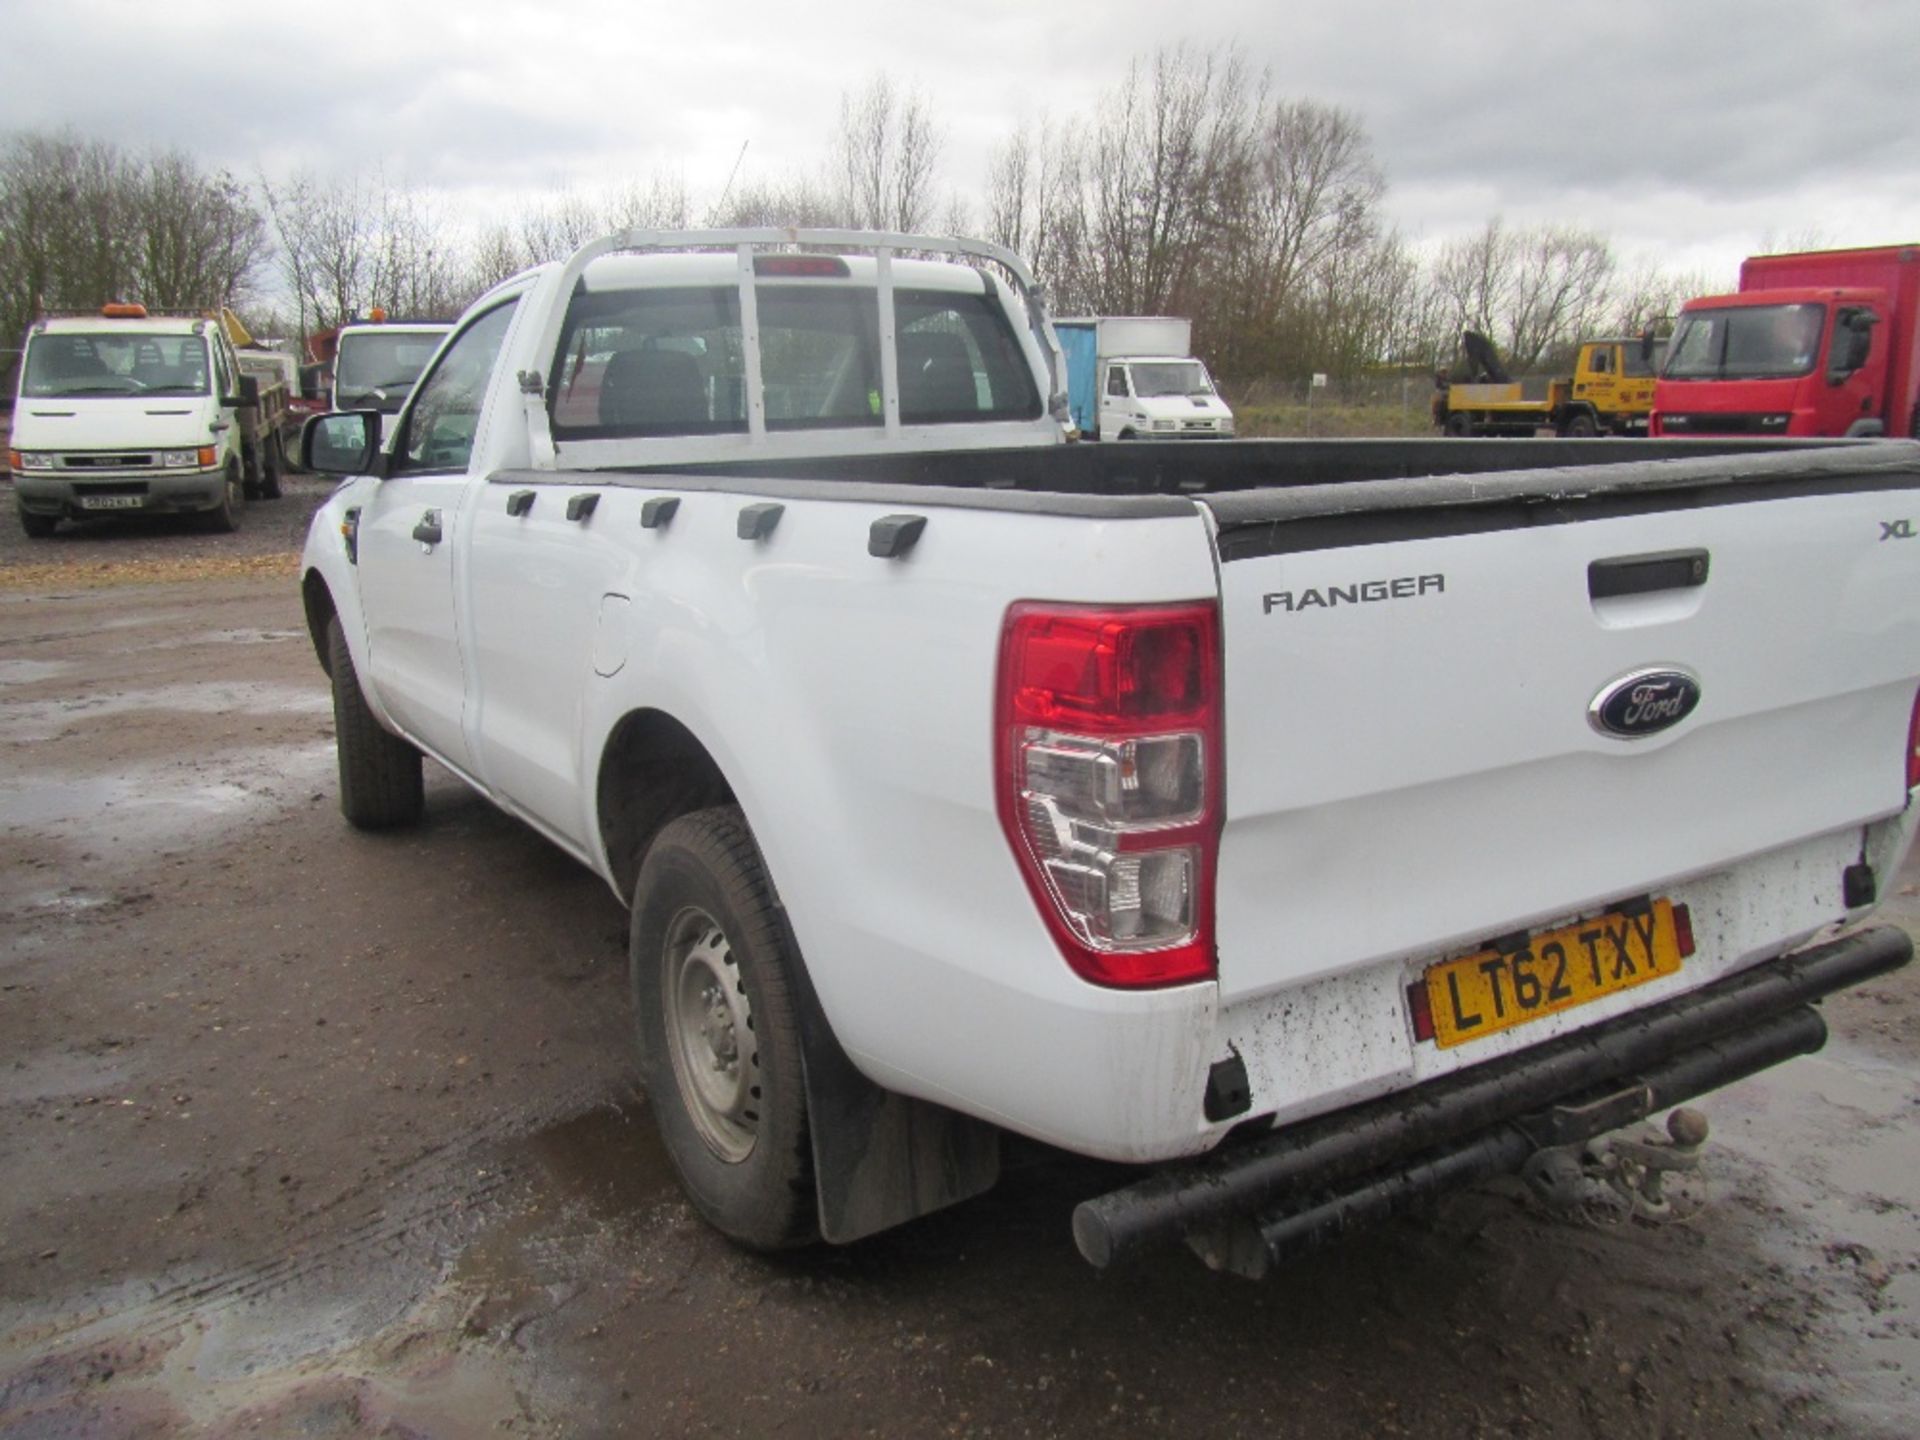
1083	796
1156	780
179	459
36	460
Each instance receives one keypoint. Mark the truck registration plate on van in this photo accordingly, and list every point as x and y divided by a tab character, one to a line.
1557	970
109	502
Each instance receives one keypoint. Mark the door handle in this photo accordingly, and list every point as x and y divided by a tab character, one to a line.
427	532
1642	574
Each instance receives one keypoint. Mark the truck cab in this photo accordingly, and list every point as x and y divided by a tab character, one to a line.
377	363
126	411
1161	397
1613	381
1777	362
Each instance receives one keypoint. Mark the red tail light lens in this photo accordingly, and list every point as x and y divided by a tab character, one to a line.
1110	756
1913	747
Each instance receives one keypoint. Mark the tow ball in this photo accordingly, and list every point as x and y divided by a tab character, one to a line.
1624	1171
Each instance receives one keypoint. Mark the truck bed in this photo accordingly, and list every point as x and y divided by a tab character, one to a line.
1168	468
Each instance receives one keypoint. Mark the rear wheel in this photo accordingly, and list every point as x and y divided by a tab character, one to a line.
38	527
1459	426
272	462
711	970
381	785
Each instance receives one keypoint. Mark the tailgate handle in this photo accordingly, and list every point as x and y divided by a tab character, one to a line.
1641	574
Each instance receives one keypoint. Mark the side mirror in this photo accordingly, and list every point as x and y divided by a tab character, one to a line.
249	391
343	442
1646	346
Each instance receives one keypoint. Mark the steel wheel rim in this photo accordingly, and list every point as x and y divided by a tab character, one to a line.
716	1059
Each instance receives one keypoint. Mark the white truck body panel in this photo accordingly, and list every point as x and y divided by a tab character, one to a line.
1485	778
95	423
1124	335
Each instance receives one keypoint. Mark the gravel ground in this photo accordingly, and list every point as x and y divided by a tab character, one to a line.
307	1132
122	550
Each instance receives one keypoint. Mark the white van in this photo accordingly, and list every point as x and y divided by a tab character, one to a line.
129	411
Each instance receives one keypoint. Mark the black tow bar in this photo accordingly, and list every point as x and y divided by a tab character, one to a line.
1255	1204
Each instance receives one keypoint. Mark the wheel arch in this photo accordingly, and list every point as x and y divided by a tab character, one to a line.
317	600
879	1158
653	769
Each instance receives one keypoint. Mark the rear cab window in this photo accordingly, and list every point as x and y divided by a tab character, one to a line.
672	361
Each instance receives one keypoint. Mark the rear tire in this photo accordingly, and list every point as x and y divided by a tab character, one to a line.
272	461
1459	426
381	785
718	1026
38	527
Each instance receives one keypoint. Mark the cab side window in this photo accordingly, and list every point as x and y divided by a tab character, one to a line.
1600	362
1116	381
445	414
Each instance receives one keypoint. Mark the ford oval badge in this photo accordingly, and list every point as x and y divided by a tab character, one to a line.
1644	703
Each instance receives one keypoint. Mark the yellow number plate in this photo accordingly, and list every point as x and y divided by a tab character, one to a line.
1486	993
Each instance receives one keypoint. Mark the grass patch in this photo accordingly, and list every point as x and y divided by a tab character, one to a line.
1291	420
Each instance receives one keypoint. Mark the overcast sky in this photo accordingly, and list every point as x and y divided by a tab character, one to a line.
1691	131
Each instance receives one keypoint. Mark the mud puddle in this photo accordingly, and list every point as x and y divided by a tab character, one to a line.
1821	1157
152	808
57	718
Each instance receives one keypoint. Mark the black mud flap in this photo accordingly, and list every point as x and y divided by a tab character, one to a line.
880	1158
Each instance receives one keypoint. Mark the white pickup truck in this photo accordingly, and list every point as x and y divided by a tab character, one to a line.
1317	824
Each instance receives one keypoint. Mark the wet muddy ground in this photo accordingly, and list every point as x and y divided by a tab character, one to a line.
306	1132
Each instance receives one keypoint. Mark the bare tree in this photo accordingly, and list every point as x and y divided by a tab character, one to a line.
885	157
1161	163
661	204
792	201
350	245
82	222
194	238
1558	293
1304	205
1647	296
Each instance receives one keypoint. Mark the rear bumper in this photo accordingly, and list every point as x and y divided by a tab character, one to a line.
156	493
1252	1205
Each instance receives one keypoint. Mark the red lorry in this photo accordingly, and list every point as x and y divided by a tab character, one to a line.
1821	343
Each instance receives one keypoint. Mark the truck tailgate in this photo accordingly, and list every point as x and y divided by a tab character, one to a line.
1411	765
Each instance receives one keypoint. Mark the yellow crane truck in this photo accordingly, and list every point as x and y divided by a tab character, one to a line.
1609	393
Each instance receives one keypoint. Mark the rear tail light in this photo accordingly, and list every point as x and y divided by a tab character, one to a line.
1913	747
1108	726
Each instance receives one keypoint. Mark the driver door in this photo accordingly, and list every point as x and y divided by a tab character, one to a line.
410	550
1848	397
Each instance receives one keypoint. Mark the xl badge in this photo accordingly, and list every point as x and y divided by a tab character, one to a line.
1644	703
